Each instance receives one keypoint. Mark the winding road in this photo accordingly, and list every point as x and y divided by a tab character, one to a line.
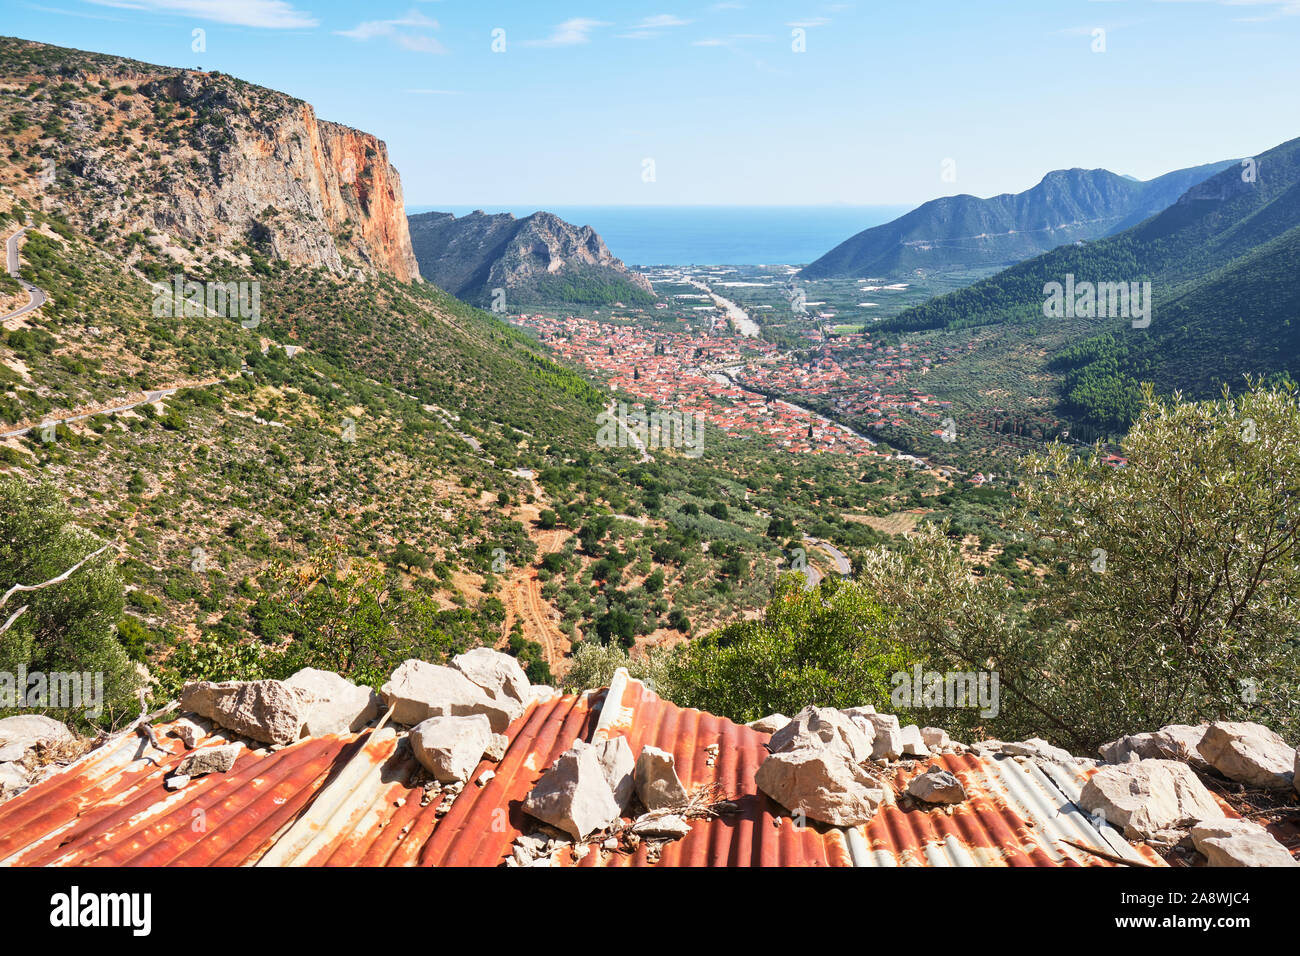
36	296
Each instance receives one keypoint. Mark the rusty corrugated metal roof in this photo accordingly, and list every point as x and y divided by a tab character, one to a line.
354	801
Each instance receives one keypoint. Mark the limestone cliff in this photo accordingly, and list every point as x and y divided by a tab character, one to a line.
205	158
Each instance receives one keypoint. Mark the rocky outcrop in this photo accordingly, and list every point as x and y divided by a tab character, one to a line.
472	255
218	159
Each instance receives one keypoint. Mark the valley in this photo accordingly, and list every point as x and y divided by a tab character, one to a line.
273	443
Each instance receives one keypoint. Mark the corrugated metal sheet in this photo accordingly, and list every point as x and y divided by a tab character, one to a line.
112	809
350	801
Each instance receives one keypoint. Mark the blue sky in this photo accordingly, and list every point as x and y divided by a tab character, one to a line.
715	94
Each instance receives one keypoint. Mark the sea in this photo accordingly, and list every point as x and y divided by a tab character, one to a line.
711	235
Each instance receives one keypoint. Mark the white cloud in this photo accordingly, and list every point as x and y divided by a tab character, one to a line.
660	21
397	31
811	22
271	14
570	33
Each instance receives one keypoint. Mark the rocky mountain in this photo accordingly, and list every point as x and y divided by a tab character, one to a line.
173	159
965	232
540	258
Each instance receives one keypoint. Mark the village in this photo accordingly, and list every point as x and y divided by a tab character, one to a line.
705	365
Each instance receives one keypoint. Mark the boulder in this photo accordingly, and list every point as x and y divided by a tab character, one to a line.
769	724
1039	749
823	727
618	764
822	784
573	795
208	760
500	676
936	738
912	742
887	743
18	735
419	690
657	783
937	785
1172	742
338	706
1147	796
1239	843
1249	753
451	747
265	710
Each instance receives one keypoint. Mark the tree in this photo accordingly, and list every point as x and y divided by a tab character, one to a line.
1183	564
1174	594
69	626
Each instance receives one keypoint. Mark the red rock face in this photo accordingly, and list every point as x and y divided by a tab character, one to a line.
362	190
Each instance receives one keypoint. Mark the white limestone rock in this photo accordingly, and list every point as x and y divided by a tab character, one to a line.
266	710
573	795
1250	754
419	690
657	783
822	784
1239	843
338	705
451	747
1144	797
823	727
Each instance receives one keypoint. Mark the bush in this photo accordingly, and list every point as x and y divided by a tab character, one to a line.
825	646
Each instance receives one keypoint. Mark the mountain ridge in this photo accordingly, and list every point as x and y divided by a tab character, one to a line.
964	231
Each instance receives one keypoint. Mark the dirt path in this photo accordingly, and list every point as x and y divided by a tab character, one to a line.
523	601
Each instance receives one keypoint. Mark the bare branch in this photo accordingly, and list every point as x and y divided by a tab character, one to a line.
44	584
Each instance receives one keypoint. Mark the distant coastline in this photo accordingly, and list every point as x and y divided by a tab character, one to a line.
711	235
